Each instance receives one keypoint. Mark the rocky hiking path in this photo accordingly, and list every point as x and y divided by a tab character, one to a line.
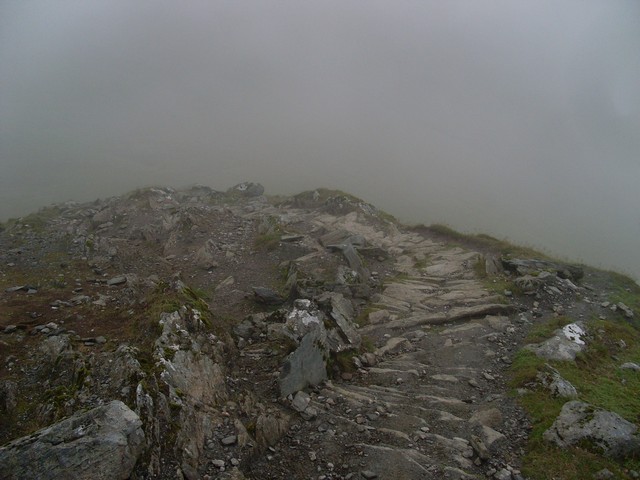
430	400
226	335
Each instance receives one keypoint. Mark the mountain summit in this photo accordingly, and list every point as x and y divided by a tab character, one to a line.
202	334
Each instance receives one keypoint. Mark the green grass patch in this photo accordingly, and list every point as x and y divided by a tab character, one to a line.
367	345
500	284
344	361
524	368
598	380
482	241
421	264
628	292
541	331
267	241
480	267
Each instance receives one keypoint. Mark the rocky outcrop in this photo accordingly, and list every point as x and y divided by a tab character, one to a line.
535	267
320	330
101	444
582	423
306	365
320	339
565	344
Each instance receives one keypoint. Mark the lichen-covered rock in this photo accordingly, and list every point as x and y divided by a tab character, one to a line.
101	444
580	422
556	384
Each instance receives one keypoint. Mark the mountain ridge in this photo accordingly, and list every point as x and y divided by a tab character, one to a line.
301	336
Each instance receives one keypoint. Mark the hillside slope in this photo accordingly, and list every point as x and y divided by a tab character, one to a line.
232	335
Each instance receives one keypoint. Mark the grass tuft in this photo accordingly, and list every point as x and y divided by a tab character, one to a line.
599	381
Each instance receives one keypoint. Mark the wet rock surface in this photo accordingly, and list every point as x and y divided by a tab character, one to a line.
103	443
313	337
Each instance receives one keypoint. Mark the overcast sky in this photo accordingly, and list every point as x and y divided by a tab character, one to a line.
516	118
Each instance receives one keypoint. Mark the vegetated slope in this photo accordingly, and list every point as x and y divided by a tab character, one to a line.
310	336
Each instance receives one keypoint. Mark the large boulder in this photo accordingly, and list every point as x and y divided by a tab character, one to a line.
101	444
580	422
306	365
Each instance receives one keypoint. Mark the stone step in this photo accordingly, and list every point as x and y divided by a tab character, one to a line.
454	315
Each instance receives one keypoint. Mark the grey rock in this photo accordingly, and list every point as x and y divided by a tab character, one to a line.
267	296
607	431
503	474
306	365
302	319
534	266
204	256
334	237
101	444
55	346
230	440
480	448
379	316
23	288
492	438
198	376
393	345
490	417
492	265
117	280
270	428
244	329
10	328
301	401
625	310
553	381
369	359
604	474
310	413
79	299
341	314
353	259
291	238
368	474
558	347
528	283
630	366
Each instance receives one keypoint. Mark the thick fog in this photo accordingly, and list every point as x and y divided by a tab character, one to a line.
519	119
